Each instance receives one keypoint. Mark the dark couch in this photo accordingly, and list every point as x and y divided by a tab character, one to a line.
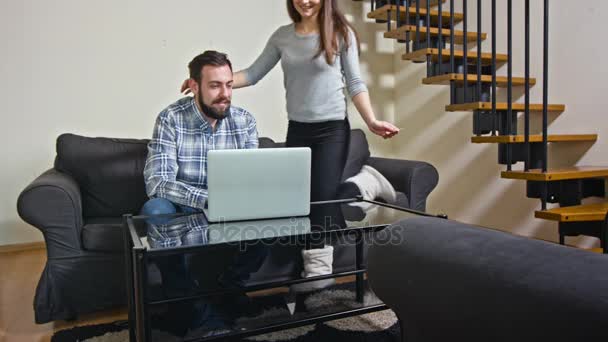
78	206
448	281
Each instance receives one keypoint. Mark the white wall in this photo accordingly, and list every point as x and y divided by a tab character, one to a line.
107	68
470	187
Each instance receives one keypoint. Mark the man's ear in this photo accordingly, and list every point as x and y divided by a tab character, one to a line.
193	85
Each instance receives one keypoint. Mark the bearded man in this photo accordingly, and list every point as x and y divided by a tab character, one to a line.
176	168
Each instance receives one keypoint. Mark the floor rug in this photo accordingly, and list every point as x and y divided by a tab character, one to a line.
381	326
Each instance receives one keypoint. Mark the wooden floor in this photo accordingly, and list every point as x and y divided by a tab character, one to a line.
19	274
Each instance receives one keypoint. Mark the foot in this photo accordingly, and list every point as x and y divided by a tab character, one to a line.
372	184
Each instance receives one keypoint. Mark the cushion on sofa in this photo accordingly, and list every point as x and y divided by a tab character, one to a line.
264	142
108	171
103	234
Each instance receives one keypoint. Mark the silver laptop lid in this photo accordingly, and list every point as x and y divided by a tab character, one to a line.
248	184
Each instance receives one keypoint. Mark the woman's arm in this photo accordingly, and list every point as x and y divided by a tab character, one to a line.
263	64
240	80
358	92
364	107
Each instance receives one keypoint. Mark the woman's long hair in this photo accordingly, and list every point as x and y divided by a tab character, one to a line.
333	28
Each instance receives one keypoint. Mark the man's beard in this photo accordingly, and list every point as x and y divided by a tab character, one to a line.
212	112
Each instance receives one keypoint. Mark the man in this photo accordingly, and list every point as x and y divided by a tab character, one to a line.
176	170
176	167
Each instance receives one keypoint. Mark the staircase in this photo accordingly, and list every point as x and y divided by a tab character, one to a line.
428	30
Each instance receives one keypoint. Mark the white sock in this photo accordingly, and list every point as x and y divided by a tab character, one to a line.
318	261
372	184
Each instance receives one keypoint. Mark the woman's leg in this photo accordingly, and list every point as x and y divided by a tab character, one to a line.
329	143
328	160
348	190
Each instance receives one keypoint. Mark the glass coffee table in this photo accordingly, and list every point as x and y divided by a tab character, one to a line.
191	280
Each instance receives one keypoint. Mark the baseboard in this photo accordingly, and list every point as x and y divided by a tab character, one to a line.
20	247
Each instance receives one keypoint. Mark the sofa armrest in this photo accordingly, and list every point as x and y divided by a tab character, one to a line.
487	285
52	203
416	179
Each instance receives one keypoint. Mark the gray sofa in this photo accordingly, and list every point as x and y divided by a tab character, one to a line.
79	203
449	281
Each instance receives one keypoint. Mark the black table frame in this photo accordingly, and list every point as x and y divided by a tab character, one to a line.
136	258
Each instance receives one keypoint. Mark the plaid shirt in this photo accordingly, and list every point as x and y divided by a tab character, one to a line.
176	167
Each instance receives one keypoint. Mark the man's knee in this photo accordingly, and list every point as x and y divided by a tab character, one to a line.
158	206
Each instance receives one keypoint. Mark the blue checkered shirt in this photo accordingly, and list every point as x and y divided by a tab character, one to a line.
176	167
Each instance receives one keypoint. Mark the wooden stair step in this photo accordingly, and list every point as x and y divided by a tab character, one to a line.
382	14
486	58
422	2
501	81
576	213
518	107
575	172
515	139
399	33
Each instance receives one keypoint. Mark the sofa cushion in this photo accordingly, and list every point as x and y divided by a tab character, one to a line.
109	172
103	234
358	154
264	142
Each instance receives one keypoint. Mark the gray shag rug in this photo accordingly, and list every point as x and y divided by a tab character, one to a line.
377	326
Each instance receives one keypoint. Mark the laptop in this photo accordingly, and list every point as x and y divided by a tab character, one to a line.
248	184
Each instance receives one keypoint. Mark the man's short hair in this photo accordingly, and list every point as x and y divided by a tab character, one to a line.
208	57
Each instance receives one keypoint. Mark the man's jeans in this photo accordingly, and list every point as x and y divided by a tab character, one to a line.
176	270
161	206
249	259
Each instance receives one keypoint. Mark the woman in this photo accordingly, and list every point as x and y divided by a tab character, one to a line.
319	56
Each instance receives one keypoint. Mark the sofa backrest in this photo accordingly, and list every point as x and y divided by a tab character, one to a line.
109	171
